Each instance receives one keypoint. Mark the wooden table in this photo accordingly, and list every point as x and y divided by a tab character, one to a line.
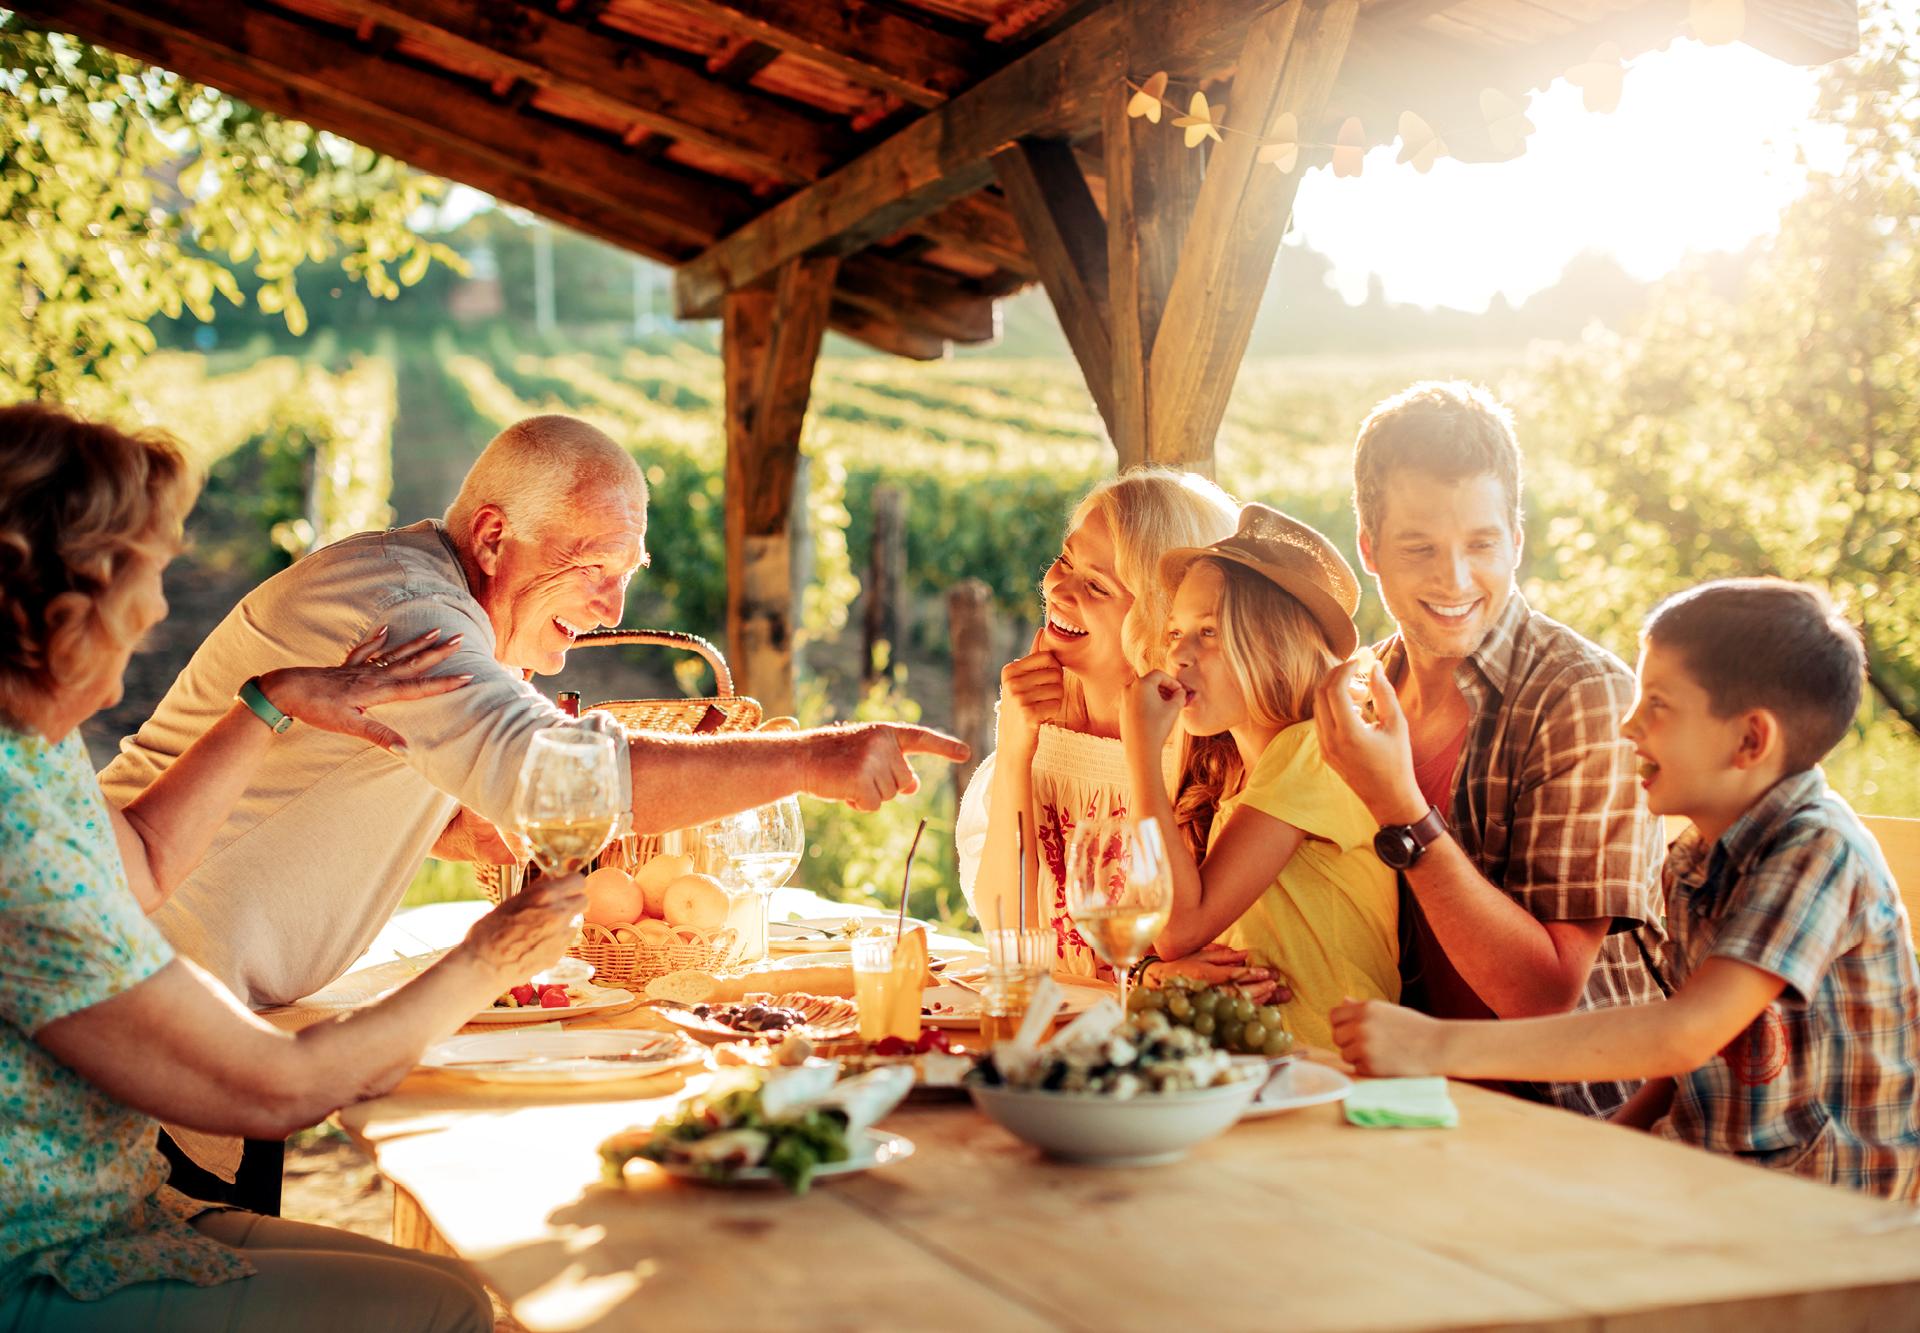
1521	1217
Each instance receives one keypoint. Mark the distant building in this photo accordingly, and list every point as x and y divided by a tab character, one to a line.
477	296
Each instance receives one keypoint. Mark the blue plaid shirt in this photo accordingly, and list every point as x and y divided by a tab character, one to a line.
1826	1082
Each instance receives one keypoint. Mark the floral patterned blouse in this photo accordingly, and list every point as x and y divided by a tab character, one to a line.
1076	778
82	1198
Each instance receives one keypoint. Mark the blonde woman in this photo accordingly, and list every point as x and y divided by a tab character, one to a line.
1058	754
102	1028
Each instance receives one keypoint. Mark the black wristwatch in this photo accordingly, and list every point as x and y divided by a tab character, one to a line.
1400	845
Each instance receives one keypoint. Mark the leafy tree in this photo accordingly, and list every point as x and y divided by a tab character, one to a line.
1778	430
127	192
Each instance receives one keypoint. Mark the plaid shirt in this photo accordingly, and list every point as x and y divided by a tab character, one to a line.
1547	805
1826	1082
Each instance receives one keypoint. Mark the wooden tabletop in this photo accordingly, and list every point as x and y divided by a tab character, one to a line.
1522	1217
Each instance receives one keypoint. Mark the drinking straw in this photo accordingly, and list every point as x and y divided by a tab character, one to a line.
1020	854
900	927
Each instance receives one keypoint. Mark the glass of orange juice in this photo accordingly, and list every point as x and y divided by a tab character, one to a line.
886	987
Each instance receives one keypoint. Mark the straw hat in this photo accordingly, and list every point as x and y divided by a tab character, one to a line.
1294	556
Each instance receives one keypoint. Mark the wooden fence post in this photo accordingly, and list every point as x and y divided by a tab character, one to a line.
885	620
970	628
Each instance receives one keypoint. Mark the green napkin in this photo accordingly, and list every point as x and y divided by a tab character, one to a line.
1402	1103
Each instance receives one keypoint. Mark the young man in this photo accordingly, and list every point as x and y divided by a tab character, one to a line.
1793	1040
1492	760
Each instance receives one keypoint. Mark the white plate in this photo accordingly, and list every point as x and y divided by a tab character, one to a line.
964	1006
874	1148
802	934
560	1057
1299	1083
586	1000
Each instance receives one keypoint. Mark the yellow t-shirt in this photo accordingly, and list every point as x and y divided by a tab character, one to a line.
1330	922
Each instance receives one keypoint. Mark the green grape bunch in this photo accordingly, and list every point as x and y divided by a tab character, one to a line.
1222	1014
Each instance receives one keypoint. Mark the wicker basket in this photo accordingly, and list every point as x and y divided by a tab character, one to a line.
628	956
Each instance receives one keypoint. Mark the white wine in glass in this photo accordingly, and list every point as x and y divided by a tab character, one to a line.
568	799
1119	890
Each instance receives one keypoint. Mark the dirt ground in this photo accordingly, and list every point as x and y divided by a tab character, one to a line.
332	1183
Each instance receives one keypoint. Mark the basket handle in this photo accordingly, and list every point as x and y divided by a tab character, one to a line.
665	638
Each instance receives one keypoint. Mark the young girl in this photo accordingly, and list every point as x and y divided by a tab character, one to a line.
1058	754
1274	849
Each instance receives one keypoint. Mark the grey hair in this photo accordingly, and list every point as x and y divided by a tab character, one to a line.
535	471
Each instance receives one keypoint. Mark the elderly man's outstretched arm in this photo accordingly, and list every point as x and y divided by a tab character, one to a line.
679	781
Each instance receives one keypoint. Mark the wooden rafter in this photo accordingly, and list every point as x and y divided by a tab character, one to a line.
913	293
184	35
621	78
982	226
855	38
1054	91
884	334
1050	199
623	227
770	343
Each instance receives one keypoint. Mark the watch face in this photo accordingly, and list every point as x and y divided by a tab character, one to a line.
1396	847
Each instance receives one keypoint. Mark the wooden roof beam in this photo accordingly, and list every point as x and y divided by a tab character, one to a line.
855	38
1054	91
624	79
980	226
914	294
885	335
625	227
465	120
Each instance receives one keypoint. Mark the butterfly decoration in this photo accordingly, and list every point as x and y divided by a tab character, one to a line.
1147	101
1599	77
1282	146
1507	123
1350	148
1717	22
1419	144
1201	121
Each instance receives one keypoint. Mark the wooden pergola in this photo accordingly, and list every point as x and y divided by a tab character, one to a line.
890	168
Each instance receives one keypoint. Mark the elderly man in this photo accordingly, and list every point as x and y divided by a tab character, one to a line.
548	528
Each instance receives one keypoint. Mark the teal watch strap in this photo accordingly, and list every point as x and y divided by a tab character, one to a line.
262	707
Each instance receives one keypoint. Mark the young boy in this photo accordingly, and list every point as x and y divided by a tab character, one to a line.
1793	1035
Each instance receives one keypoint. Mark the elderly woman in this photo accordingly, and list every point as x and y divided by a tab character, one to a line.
102	1027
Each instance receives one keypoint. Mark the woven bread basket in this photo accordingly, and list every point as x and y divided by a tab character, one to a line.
629	956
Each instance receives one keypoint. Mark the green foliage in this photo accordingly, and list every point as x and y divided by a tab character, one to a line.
1773	431
127	194
860	858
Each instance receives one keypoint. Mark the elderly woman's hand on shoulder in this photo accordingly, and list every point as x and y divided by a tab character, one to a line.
337	698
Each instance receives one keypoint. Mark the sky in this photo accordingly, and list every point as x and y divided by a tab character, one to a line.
1700	155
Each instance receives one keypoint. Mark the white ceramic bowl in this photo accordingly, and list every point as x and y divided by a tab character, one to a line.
1097	1130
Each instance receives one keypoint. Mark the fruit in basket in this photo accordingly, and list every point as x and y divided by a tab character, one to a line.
654	877
698	902
654	934
612	898
1221	1014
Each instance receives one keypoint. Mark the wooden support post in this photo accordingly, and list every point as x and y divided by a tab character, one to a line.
1291	58
1056	214
772	335
1153	182
885	619
970	630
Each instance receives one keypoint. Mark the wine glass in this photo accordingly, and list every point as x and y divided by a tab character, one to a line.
755	851
1119	890
567	801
